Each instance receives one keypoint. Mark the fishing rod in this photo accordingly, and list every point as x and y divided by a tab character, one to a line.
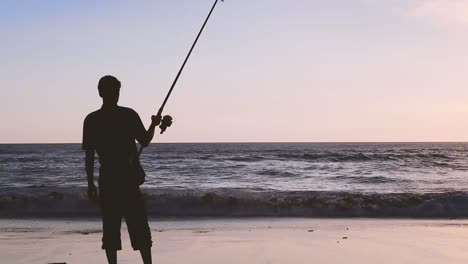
167	119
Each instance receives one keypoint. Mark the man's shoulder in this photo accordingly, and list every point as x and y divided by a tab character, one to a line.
122	112
92	116
128	111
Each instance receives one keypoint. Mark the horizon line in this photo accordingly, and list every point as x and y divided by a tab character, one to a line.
245	142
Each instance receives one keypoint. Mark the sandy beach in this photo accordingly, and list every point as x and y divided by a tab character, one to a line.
244	241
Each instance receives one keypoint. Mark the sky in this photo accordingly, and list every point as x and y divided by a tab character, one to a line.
263	71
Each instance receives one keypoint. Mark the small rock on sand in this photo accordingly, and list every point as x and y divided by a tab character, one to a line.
201	231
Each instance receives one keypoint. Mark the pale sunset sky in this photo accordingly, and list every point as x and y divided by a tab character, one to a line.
263	70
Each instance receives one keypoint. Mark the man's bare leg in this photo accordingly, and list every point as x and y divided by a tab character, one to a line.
111	256
146	255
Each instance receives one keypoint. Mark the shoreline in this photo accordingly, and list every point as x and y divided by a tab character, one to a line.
70	202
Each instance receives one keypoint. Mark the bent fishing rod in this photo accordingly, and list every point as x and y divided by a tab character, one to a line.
167	119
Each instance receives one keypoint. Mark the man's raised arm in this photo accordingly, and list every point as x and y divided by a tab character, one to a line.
144	137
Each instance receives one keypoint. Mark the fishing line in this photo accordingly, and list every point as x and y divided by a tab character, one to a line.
167	119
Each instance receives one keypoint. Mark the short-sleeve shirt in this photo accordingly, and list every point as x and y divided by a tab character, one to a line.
112	132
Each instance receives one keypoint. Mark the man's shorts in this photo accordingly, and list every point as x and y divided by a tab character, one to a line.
128	204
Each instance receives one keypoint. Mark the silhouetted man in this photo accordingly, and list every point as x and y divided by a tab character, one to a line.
111	132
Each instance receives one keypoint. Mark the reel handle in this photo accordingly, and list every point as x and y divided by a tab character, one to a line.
165	123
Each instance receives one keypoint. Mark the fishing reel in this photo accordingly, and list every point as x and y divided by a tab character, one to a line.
165	123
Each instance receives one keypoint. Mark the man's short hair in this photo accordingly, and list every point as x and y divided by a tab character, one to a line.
108	84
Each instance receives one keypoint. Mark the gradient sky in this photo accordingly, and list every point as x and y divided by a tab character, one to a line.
276	70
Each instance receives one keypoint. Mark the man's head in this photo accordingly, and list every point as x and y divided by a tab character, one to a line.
109	89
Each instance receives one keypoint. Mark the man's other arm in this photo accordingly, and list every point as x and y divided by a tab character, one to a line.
89	147
89	164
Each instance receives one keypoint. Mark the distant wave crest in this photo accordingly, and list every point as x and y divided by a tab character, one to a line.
361	157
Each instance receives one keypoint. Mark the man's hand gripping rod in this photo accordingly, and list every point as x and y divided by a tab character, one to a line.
167	120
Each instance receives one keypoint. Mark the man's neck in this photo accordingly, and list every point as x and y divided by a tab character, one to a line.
108	105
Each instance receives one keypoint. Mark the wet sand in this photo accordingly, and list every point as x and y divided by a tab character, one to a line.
244	241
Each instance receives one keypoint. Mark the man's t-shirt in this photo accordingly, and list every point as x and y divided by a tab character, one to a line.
112	133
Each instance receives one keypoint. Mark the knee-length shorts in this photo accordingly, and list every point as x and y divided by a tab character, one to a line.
128	204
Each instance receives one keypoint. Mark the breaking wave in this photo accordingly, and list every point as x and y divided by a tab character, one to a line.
73	202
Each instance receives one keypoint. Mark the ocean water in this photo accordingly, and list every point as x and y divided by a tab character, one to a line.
252	179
